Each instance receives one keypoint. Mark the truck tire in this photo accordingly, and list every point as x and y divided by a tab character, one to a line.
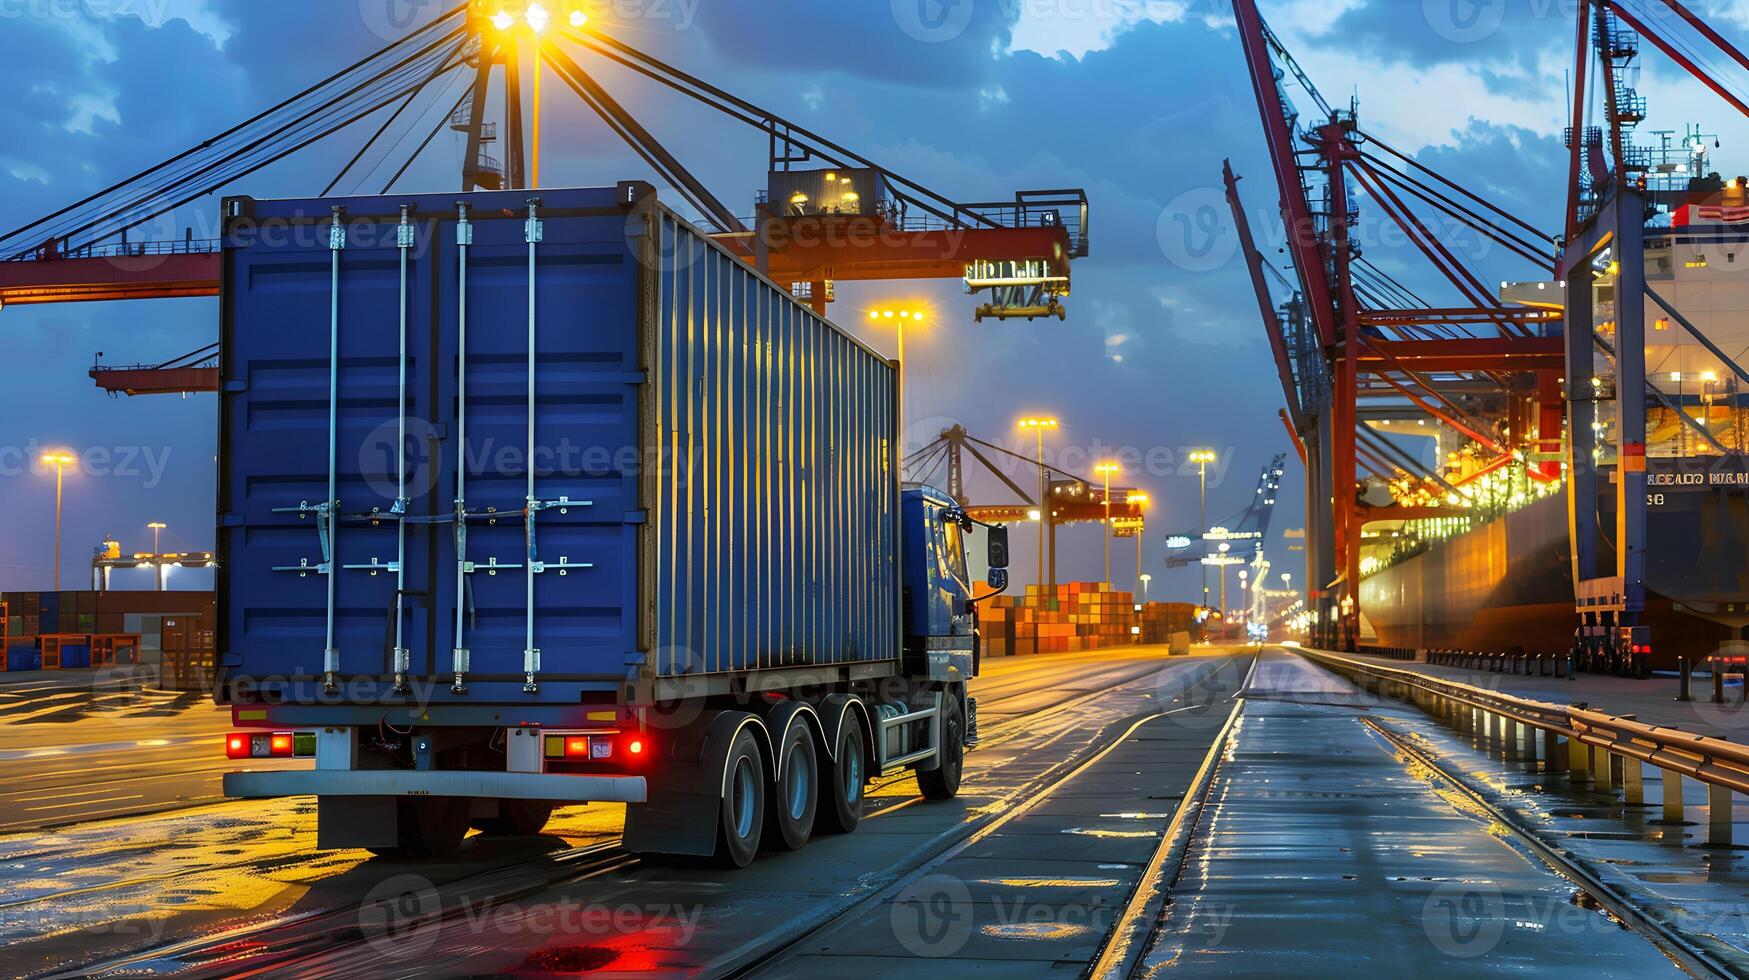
741	815
430	826
943	782
795	794
841	795
516	818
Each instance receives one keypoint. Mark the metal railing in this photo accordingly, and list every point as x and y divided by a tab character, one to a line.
115	250
1721	765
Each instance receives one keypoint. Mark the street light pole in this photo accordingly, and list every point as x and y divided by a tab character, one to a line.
157	552
1203	457
60	460
1105	470
1039	425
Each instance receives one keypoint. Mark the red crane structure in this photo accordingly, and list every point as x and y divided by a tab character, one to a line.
1520	382
827	214
1355	347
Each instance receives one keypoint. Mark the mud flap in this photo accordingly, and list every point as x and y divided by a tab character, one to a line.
682	812
344	822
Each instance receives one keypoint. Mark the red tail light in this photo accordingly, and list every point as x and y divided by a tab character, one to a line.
264	745
577	747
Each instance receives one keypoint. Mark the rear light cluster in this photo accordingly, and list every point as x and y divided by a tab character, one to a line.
270	745
616	747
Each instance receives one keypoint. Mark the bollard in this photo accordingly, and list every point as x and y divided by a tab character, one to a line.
1578	761
1561	664
1718	683
1602	768
1683	692
1672	781
1633	781
1718	815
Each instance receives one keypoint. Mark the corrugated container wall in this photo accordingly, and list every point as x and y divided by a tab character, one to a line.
713	476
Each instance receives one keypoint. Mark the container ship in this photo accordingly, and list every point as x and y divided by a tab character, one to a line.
1501	579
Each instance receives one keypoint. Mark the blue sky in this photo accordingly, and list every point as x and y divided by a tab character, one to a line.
1138	101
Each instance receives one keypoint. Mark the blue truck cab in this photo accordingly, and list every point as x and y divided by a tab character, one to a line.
940	625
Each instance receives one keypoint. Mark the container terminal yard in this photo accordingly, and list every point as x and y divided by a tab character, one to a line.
780	489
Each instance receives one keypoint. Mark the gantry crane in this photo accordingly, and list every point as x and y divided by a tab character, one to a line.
827	214
1353	344
1073	499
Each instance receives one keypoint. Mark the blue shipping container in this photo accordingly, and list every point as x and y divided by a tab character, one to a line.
714	485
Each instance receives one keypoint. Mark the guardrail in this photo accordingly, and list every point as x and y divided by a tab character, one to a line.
1590	743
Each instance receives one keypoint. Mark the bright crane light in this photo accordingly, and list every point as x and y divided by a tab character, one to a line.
537	17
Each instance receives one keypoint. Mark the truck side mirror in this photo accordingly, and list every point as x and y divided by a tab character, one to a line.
998	547
998	579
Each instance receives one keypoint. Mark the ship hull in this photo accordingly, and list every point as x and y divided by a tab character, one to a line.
1507	586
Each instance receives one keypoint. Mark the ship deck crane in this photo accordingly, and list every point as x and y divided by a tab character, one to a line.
888	226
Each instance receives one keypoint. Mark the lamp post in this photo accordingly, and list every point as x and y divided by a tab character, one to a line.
1105	470
898	318
1225	547
1038	426
157	552
1140	500
60	459
536	17
1202	458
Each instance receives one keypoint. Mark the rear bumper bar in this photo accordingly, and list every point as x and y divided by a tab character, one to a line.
404	782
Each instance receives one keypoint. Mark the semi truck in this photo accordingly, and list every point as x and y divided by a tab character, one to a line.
530	499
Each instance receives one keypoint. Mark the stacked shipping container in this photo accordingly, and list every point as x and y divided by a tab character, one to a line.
1077	616
178	623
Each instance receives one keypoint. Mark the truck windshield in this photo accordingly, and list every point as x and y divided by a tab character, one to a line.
954	554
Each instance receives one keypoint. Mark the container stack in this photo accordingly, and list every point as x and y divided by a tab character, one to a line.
1076	616
1160	620
174	628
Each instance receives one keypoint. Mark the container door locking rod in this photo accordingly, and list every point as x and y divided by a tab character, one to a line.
533	233
464	240
404	238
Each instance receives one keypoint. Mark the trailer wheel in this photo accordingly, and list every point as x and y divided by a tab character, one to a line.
516	818
841	799
741	815
430	826
943	782
796	793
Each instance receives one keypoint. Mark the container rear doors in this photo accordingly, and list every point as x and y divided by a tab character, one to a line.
444	556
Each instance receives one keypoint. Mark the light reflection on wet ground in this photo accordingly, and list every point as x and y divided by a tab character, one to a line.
92	891
1668	870
1325	852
